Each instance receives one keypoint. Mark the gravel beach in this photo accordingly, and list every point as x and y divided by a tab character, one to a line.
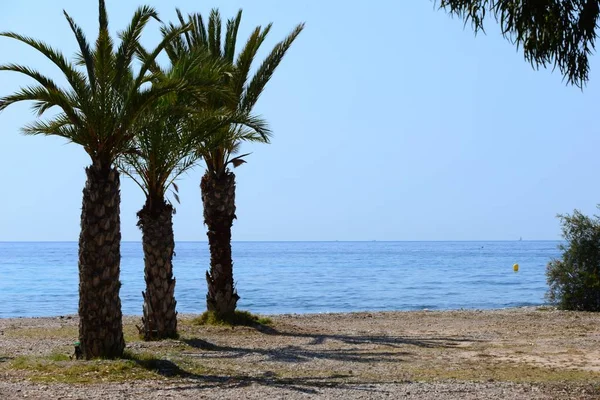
525	353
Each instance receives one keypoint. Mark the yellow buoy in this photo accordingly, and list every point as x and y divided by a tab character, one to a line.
516	267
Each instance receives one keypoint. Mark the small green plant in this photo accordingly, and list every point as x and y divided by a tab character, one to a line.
54	368
58	357
574	279
147	360
238	318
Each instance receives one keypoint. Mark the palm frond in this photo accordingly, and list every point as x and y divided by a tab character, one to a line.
59	126
163	151
199	34
130	38
130	165
233	25
249	127
104	62
177	46
41	79
220	120
214	33
153	66
137	104
188	39
75	78
203	77
85	50
104	55
99	110
246	57
43	99
102	16
266	70
239	160
150	58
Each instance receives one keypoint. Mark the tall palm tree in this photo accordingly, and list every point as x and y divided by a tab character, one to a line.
97	111
165	148
218	182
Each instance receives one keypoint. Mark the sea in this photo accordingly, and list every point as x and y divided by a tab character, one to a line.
41	279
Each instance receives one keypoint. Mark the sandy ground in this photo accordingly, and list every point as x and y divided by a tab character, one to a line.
529	353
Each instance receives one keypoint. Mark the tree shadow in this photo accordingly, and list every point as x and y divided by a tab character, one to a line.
295	354
306	385
428	341
356	353
356	349
392	341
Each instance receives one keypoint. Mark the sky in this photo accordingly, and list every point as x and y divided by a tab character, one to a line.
391	121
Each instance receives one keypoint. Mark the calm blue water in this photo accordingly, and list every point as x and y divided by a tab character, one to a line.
41	279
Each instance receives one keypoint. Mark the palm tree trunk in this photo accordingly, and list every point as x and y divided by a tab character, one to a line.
218	198
100	318
160	318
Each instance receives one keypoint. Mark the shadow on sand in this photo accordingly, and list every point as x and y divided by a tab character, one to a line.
297	354
307	385
356	350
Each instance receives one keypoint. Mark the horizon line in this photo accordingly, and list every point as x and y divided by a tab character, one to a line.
304	241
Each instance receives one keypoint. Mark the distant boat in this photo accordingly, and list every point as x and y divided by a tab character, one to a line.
520	239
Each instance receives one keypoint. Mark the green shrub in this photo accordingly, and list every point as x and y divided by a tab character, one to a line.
574	279
238	318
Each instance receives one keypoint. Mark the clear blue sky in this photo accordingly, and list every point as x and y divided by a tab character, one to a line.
391	122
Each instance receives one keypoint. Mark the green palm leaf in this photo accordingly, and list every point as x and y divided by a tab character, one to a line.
233	26
166	142
75	78
103	103
266	70
130	38
246	57
85	55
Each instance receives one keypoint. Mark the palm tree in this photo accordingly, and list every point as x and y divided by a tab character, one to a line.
218	182
97	111
165	148
162	152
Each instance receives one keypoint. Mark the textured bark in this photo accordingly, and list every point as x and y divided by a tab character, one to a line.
218	198
100	318
159	316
